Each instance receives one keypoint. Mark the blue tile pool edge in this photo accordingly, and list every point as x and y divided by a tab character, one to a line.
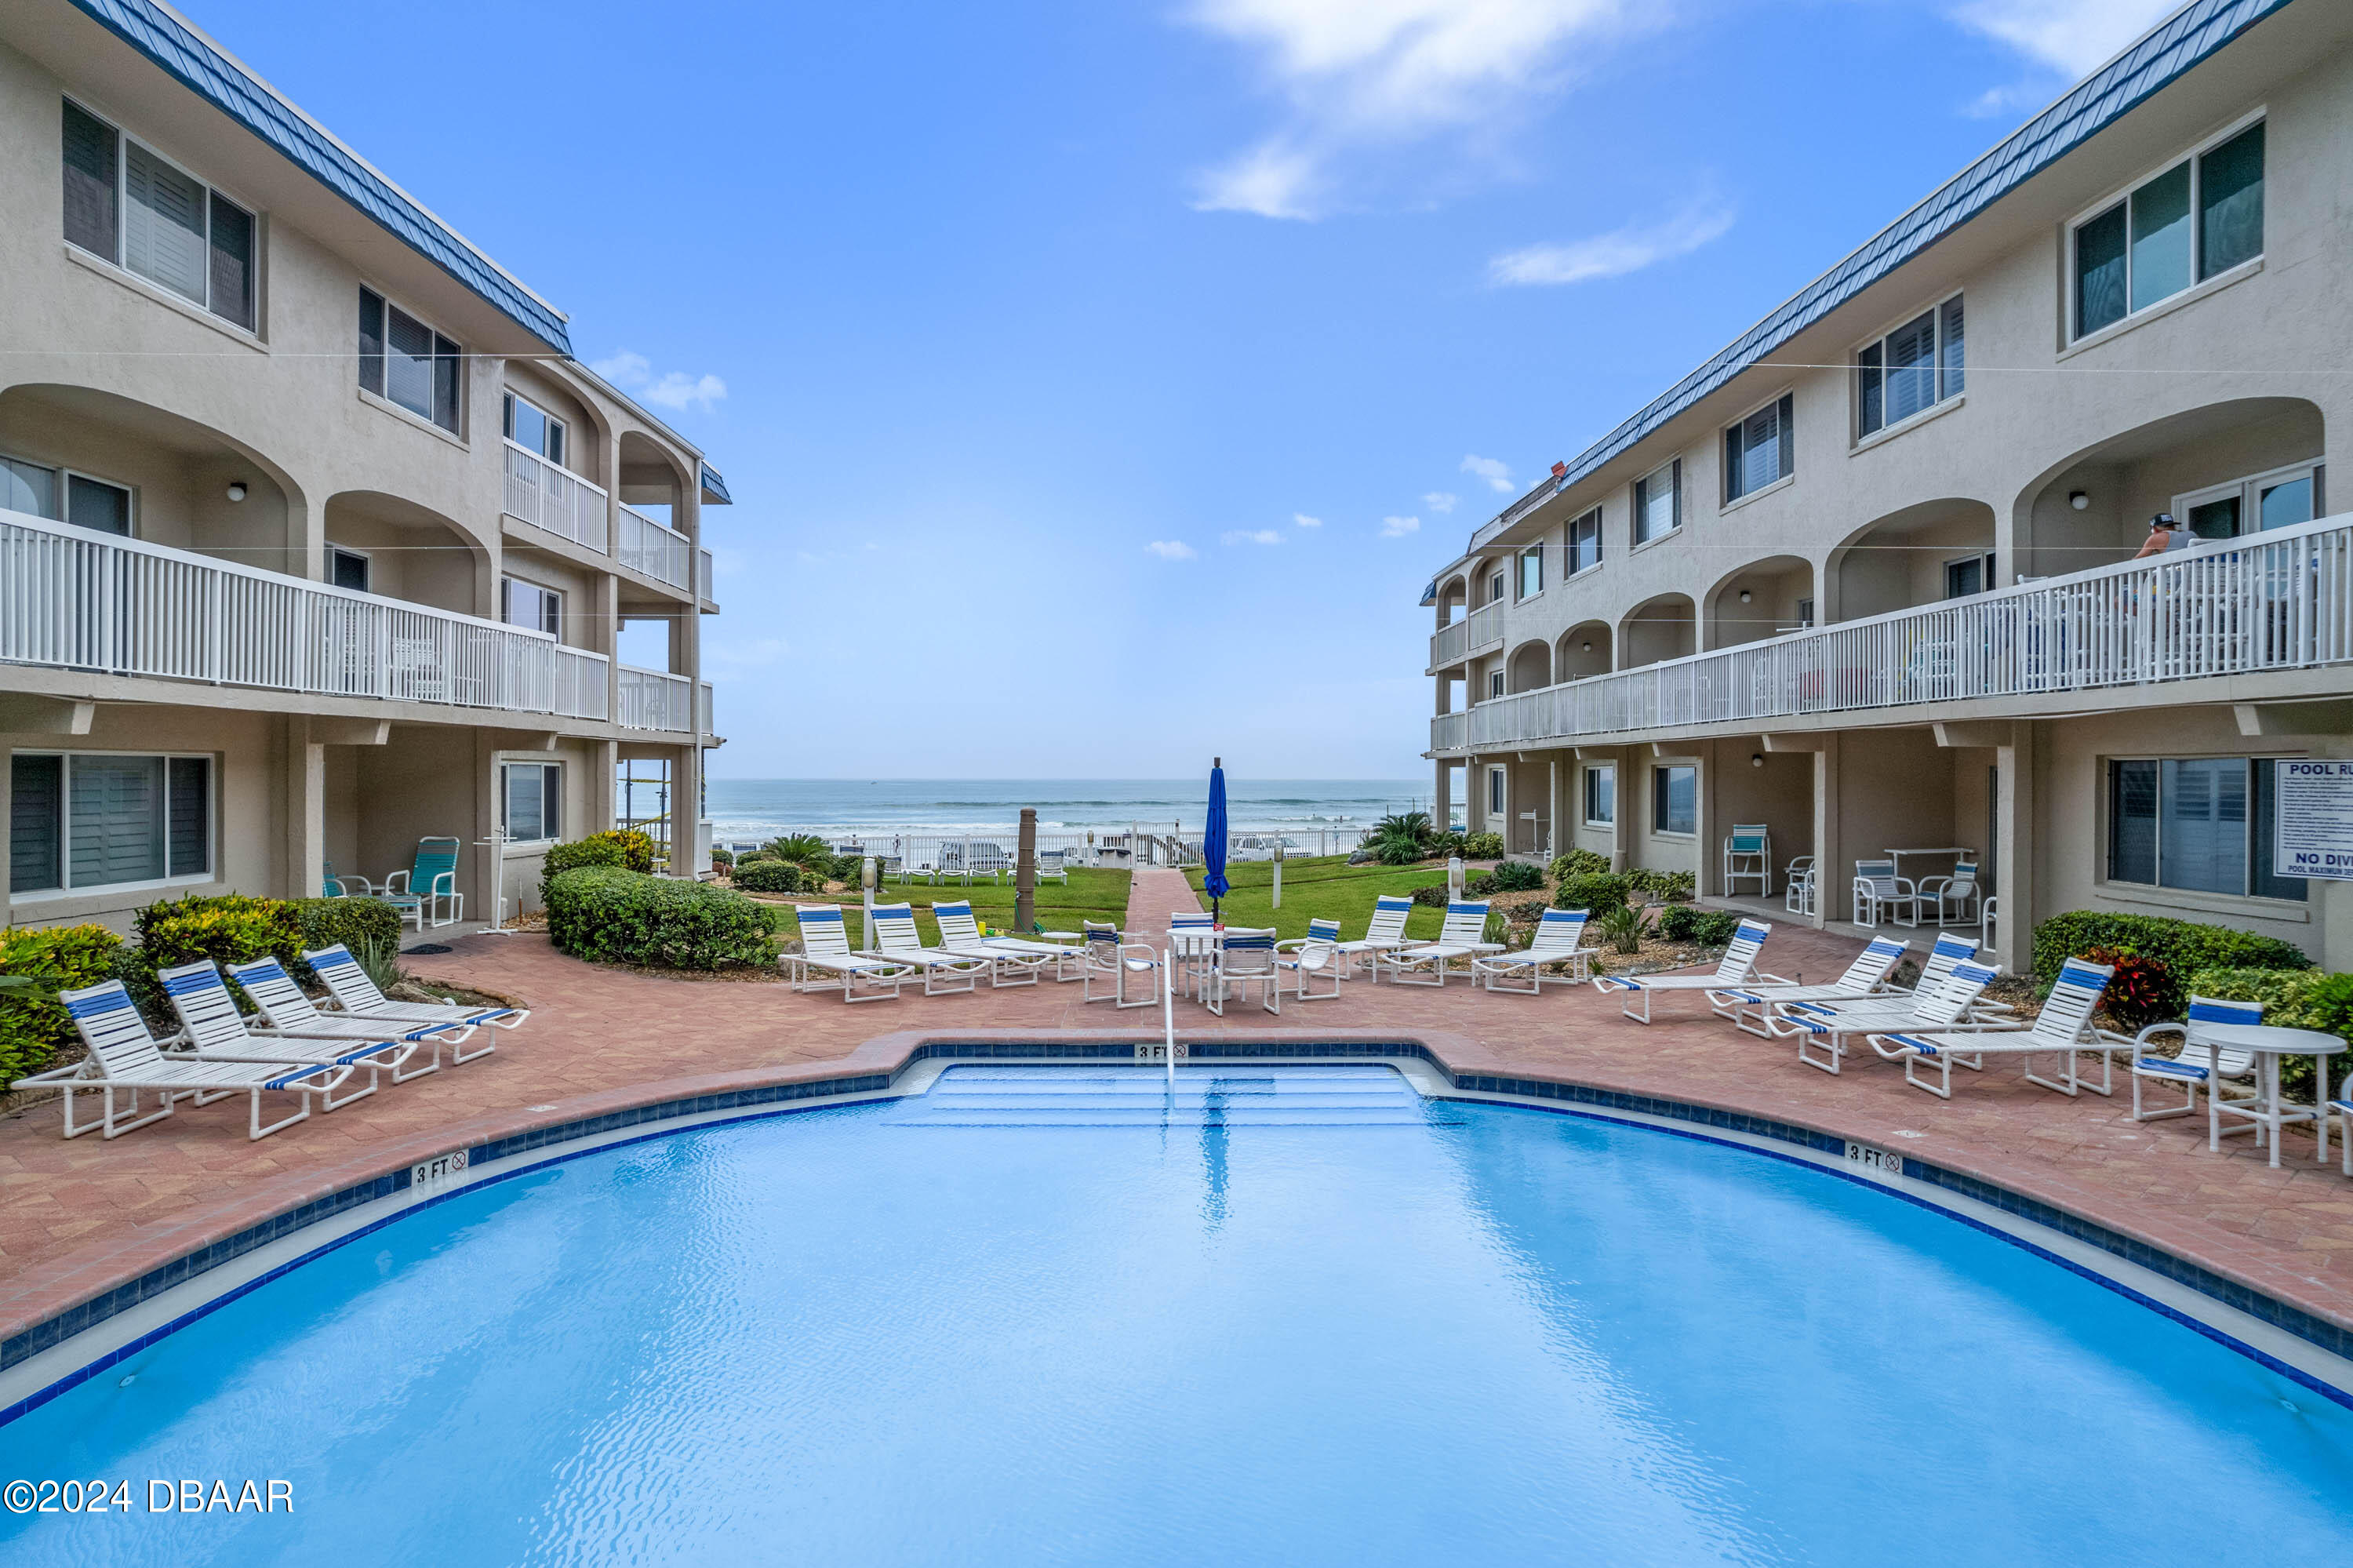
783	1100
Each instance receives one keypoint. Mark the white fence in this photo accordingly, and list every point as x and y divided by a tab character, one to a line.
646	546
74	600
651	699
990	855
554	498
2278	600
1480	628
702	575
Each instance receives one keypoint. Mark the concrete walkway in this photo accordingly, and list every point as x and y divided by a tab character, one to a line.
1155	894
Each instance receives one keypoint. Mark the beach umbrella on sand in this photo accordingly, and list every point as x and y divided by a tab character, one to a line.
1213	840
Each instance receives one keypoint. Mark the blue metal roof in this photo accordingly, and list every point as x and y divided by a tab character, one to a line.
2171	50
219	81
714	488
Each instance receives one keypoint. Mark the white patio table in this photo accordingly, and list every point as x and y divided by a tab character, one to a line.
1193	950
2267	1110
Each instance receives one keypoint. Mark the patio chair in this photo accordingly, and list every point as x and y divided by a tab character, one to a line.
1245	958
1989	918
354	992
2063	1029
824	960
1051	867
2196	1063
891	935
333	886
1956	892
1733	969
1797	885
1558	939
1952	1000
1750	1005
426	892
1316	953
1384	933
1012	961
212	1030
1108	953
124	1058
1463	936
282	1010
1748	857
1878	892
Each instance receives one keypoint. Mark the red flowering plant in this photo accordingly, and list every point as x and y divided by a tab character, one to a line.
2142	992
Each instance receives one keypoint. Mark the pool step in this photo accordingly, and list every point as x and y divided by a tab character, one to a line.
1142	1096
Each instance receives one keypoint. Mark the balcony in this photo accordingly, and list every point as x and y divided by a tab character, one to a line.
555	499
705	724
72	600
703	568
658	552
1481	631
652	699
2270	602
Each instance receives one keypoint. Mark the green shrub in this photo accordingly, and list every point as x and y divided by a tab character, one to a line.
1433	897
228	928
629	850
1622	926
1516	876
1579	862
1690	923
802	849
2292	999
33	1023
2180	948
722	858
605	913
1482	846
1665	886
1398	852
357	923
1597	893
768	877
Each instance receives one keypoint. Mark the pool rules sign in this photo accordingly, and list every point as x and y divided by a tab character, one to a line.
2314	831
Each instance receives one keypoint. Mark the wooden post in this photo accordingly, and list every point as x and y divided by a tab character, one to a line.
1025	873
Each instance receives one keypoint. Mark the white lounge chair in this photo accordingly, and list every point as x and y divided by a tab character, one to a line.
1011	963
1748	857
1739	961
1245	958
283	1011
824	960
2063	1029
1558	939
1464	936
2197	1064
1830	1025
1748	1006
1880	892
1111	954
891	935
1316	953
212	1030
354	992
124	1058
1384	933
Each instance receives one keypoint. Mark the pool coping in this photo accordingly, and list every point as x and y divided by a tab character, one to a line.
262	1234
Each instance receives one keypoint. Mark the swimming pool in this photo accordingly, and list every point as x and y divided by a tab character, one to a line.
1296	1315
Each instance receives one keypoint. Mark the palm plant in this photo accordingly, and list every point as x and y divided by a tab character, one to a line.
1400	838
1622	928
801	849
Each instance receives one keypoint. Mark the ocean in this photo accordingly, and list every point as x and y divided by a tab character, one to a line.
752	809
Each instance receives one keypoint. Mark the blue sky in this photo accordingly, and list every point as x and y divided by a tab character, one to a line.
1100	384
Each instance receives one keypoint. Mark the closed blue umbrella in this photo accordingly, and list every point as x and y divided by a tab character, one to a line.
1213	838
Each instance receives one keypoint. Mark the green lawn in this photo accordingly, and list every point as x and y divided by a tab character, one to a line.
1091	895
1323	888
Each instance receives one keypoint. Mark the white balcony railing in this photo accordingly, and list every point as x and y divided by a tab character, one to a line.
660	552
555	499
651	699
702	576
1480	629
73	599
2273	601
703	722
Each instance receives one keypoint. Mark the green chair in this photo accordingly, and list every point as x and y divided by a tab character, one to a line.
426	892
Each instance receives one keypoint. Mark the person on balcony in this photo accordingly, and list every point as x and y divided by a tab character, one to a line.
2164	533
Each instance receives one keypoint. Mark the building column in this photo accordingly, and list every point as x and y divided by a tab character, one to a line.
1833	892
1707	879
302	808
605	765
2015	856
1556	814
1441	807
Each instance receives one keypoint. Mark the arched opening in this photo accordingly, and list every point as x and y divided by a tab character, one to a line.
1657	629
2224	470
1763	598
1453	601
383	545
1530	668
542	413
117	466
1933	551
1583	650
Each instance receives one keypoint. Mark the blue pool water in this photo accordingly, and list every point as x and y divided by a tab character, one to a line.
1042	1316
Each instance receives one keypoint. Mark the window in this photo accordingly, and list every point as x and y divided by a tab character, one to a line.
1600	796
1495	683
404	360
86	819
2200	217
28	487
534	428
527	604
1494	792
2202	824
62	495
1675	799
348	568
1911	370
1658	503
2274	500
1585	542
1760	450
531	801
1532	572
126	203
1971	573
1805	612
1495	589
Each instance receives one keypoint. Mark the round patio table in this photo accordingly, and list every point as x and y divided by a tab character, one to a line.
1192	950
2269	1043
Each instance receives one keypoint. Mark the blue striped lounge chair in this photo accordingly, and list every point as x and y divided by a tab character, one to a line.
1559	939
1109	955
892	936
125	1059
1463	936
283	1012
1749	1007
212	1029
1245	958
1012	961
353	992
2199	1063
1316	953
826	963
1385	933
2063	1029
1739	961
1828	1025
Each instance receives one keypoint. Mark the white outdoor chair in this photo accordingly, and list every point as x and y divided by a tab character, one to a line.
212	1030
1110	954
1384	933
1879	892
1951	1001
824	960
1557	941
1011	962
1463	936
1797	885
282	1010
2063	1029
1956	895
1245	958
1051	866
1748	857
1733	969
1989	918
892	936
1316	953
1749	1006
353	993
2197	1064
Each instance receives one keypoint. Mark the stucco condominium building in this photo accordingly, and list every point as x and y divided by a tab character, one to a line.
1863	576
314	539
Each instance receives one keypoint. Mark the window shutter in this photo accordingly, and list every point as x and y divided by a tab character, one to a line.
372	341
117	815
36	823
1954	362
164	224
89	156
191	806
232	280
447	357
409	362
1735	468
1785	421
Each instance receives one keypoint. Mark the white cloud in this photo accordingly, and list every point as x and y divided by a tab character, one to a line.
2070	36
1171	549
1618	252
1497	474
634	373
1252	536
1439	501
1304	521
1364	73
1398	527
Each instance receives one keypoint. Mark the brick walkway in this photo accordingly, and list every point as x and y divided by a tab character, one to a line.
75	1218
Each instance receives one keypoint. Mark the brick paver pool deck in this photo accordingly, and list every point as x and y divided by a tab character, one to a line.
77	1218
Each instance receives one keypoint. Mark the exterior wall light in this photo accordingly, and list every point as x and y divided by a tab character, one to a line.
2078	500
237	489
1756	759
1743	596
